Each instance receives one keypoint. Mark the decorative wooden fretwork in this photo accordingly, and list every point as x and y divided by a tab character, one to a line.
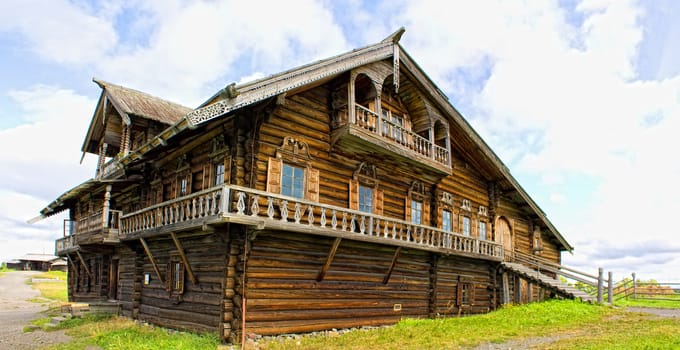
294	150
446	198
465	205
266	88
366	174
182	163
482	211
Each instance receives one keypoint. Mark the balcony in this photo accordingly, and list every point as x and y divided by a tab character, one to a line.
96	228
369	134
264	210
111	167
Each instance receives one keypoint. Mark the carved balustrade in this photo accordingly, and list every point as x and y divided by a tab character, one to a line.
267	210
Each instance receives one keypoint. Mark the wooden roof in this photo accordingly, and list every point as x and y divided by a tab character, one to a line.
129	103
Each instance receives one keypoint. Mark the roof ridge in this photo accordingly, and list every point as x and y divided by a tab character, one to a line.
103	84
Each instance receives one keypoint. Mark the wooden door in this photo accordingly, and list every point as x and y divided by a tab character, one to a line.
505	233
113	279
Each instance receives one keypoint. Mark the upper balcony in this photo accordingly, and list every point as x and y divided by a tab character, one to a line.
365	132
264	210
96	228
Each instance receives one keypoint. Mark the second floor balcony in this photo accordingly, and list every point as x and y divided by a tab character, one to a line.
363	130
99	227
263	210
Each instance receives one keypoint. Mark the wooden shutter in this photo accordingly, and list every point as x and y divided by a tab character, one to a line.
354	194
378	199
227	170
313	185
459	293
181	278
426	212
168	277
207	176
407	209
274	167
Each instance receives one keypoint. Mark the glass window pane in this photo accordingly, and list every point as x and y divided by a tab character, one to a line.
446	220
416	212
482	230
292	181
466	225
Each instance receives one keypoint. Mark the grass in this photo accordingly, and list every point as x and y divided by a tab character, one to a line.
122	333
55	291
651	302
561	322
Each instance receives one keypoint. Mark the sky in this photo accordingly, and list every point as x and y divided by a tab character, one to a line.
580	99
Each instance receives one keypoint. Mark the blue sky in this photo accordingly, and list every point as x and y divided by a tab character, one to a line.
581	99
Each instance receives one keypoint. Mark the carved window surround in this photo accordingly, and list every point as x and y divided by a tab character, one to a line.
296	153
366	175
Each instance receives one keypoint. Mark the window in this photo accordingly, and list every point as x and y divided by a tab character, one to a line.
416	212
482	230
395	122
219	174
466	225
365	199
175	277
446	220
465	296
292	181
183	186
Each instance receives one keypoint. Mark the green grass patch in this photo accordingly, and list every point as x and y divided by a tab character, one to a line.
56	291
122	333
513	322
657	303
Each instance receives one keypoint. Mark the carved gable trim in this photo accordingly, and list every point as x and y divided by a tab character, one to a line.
366	174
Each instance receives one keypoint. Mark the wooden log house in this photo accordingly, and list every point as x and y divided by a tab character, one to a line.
346	192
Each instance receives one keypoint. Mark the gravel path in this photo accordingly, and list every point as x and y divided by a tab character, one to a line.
16	312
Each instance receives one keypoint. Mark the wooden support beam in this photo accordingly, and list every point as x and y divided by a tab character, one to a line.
329	259
153	261
394	263
73	265
518	290
82	261
180	250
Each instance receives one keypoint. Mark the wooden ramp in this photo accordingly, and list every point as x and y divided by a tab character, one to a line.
546	281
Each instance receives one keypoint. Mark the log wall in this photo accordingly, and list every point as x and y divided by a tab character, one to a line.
285	295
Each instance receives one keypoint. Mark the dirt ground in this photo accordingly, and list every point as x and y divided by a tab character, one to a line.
16	312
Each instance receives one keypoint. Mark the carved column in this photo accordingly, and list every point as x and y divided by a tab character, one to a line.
106	207
102	158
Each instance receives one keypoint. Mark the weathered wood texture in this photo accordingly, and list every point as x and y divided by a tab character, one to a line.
199	307
283	294
452	272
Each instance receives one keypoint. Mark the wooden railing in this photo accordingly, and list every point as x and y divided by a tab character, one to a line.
595	283
91	228
371	121
267	210
109	168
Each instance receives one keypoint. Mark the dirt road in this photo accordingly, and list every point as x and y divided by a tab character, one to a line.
16	312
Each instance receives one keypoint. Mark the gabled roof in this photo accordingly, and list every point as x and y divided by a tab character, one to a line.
233	97
39	257
129	102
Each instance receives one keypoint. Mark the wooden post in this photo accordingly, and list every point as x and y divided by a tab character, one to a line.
105	207
530	293
610	287
506	288
600	283
634	287
518	290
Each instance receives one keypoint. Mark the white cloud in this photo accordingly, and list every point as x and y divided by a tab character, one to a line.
58	30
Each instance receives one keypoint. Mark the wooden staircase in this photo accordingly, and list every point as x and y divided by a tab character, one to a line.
548	282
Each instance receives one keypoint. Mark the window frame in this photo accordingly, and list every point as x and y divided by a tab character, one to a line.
302	180
366	198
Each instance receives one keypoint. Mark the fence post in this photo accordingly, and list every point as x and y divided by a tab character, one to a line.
600	283
634	287
610	288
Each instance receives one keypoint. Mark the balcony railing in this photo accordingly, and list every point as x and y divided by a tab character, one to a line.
94	228
109	168
266	210
389	130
